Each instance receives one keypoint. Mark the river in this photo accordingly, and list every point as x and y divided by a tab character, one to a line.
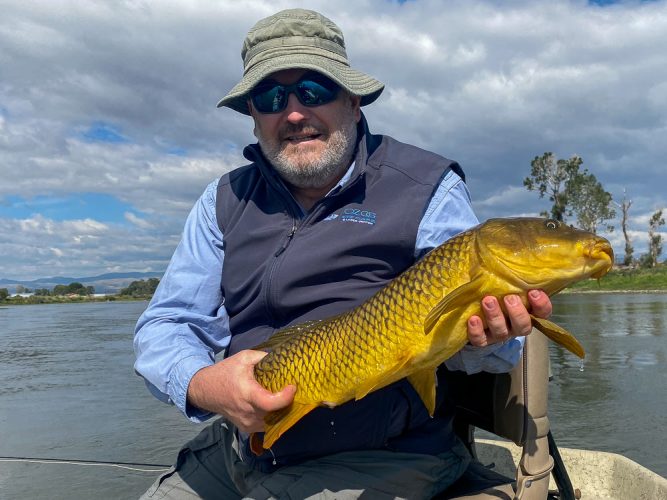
68	391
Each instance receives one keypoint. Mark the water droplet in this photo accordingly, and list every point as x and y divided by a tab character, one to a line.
581	365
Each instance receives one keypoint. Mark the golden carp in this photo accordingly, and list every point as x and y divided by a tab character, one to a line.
418	320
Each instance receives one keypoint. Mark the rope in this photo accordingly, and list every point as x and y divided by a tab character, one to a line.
98	463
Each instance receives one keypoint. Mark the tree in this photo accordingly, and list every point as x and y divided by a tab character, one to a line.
74	288
551	177
141	288
591	204
625	209
4	293
655	238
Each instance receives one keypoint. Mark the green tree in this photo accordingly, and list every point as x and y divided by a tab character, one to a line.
549	176
4	293
655	238
76	288
590	203
141	288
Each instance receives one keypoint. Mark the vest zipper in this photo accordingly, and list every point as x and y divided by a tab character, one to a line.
287	241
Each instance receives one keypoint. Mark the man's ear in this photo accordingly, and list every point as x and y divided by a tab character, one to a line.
355	100
253	114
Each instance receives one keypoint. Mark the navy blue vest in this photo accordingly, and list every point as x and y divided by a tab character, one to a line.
281	269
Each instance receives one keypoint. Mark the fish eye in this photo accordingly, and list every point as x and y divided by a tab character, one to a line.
552	224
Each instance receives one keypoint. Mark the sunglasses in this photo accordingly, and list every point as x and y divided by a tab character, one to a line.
311	91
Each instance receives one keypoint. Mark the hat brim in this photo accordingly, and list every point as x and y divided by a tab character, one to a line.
355	82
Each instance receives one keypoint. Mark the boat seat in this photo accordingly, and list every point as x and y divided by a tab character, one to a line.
512	406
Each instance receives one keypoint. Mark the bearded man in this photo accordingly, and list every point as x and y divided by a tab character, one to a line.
323	216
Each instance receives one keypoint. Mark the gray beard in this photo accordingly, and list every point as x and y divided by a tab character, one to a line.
334	161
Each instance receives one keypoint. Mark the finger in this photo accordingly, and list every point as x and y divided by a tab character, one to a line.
476	333
518	316
495	320
540	303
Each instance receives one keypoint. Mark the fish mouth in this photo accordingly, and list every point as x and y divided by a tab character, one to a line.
603	255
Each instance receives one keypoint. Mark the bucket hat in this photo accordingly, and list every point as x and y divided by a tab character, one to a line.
297	38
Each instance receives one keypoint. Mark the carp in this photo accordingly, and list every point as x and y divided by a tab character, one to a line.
418	320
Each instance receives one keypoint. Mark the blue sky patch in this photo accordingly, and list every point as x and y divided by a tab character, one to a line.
103	132
99	206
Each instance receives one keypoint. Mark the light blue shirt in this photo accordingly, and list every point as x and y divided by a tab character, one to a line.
186	324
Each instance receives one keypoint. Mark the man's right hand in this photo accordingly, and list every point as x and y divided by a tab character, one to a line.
229	388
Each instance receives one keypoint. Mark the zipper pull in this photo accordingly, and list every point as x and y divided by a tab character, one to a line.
287	241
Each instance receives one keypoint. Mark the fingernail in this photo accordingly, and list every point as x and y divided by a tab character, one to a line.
535	294
489	303
511	300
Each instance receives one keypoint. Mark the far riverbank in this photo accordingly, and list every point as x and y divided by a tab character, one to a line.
627	280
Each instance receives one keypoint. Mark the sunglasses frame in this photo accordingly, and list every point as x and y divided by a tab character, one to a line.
294	88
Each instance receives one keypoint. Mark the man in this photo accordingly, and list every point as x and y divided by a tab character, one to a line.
324	215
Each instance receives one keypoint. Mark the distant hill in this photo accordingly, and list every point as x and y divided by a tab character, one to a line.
103	283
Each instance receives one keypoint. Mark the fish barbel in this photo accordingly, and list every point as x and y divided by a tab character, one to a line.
418	320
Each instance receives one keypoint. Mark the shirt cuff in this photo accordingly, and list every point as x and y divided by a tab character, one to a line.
179	380
494	358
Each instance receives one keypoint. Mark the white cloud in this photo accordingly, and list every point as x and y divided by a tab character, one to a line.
490	84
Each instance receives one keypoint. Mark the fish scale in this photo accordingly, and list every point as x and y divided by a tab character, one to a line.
418	320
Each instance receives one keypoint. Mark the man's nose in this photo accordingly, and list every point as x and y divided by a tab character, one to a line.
296	112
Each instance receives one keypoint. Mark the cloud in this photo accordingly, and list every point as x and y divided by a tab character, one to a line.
117	99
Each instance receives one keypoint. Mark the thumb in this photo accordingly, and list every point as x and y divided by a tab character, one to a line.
272	401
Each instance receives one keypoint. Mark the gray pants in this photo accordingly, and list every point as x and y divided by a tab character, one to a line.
209	467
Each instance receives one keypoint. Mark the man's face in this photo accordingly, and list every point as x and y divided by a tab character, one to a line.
308	146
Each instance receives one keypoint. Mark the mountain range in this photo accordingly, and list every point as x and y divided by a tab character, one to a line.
103	283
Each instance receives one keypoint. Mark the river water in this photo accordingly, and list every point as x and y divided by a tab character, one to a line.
68	391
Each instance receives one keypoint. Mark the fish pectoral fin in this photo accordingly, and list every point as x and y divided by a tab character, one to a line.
387	376
424	382
456	299
559	335
276	423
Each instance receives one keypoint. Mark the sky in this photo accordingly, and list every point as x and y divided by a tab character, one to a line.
109	130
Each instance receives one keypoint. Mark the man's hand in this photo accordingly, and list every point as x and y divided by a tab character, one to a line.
500	327
229	388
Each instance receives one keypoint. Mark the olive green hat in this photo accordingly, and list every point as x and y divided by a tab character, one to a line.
297	38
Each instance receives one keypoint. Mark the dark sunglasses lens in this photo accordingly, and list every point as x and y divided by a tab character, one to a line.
270	100
315	94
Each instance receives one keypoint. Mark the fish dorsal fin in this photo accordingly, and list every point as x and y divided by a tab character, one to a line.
456	299
424	383
286	333
276	423
559	335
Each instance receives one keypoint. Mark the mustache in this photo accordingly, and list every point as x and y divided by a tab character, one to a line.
296	129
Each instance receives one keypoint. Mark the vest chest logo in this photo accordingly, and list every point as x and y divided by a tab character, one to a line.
355	215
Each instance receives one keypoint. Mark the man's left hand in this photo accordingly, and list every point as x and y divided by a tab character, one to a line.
500	326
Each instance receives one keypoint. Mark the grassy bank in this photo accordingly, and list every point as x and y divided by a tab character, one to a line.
61	299
626	280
